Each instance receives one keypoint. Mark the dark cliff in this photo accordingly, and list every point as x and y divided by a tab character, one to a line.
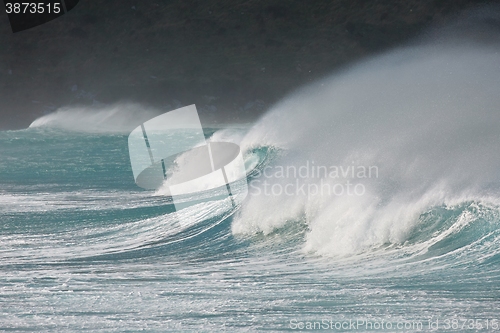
232	58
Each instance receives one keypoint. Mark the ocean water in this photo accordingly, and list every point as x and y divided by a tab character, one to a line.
415	248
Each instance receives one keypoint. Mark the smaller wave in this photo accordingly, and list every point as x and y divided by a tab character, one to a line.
115	118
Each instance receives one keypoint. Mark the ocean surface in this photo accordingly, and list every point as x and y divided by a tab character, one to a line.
416	248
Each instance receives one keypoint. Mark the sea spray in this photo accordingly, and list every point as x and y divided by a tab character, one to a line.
114	118
426	115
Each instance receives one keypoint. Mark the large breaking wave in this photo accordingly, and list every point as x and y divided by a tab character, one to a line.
426	115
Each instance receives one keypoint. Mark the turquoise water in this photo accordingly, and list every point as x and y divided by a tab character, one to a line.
82	248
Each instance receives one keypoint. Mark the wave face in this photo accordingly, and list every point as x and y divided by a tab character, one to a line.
413	240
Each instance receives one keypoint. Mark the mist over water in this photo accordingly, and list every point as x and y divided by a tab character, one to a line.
427	115
114	118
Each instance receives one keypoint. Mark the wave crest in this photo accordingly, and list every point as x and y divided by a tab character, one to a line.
116	118
426	115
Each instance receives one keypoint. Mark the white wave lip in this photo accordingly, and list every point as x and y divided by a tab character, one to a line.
427	116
